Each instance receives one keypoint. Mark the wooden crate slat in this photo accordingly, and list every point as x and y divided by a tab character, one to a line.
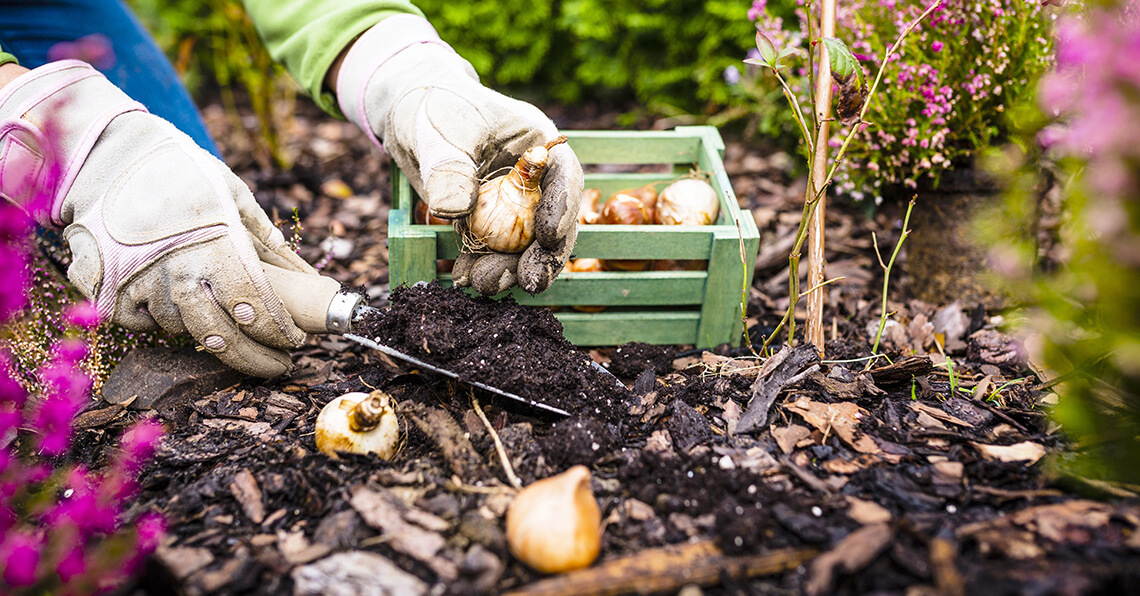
621	147
614	242
616	289
611	329
720	314
642	288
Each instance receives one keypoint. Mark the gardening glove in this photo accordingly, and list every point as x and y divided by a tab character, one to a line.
162	234
413	94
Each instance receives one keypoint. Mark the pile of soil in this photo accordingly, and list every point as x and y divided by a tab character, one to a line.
519	349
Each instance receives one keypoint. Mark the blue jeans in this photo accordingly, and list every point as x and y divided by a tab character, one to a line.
29	29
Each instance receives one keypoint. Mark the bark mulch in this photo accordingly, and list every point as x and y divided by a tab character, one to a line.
924	474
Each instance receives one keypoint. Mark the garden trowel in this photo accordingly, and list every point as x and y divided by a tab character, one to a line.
319	305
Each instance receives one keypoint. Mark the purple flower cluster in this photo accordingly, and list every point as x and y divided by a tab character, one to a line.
944	95
62	528
1093	91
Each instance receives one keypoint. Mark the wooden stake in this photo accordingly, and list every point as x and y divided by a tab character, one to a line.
818	179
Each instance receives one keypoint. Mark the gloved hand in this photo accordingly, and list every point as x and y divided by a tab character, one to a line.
411	92
162	234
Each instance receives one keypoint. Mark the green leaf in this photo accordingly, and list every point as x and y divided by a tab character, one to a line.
843	62
766	48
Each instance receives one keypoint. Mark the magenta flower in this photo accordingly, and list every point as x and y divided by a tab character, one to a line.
70	352
13	277
83	315
936	46
151	527
138	444
20	554
93	49
72	565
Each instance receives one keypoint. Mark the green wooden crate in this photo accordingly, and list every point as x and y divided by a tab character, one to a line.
701	308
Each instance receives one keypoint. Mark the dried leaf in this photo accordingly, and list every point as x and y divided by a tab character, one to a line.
841	418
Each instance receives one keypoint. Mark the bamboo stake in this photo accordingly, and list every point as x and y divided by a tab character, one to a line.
815	277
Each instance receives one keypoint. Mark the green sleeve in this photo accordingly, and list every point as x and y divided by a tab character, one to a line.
6	58
306	36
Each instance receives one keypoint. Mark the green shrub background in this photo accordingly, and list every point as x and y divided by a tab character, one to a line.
667	55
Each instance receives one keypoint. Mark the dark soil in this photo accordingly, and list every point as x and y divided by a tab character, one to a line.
918	477
503	344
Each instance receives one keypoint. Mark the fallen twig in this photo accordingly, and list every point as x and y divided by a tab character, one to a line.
665	570
506	461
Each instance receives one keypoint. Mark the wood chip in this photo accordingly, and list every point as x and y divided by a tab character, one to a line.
939	414
788	436
297	549
356	572
866	512
382	513
182	561
247	493
1025	451
852	553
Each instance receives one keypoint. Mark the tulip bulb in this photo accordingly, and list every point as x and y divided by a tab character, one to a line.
688	202
648	196
360	423
554	525
503	219
588	209
625	209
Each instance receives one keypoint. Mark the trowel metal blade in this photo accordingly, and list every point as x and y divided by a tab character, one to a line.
364	341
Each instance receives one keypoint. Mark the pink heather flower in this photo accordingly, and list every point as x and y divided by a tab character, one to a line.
67	391
936	46
93	49
72	565
10	391
81	507
83	315
14	280
757	9
138	444
151	527
70	351
20	554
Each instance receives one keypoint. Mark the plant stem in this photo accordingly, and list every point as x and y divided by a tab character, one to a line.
887	275
813	198
819	179
744	291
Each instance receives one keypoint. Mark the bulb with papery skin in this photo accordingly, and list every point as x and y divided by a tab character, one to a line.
688	202
588	209
503	218
554	525
625	210
362	423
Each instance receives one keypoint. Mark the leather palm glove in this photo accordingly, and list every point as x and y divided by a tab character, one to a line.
162	234
412	94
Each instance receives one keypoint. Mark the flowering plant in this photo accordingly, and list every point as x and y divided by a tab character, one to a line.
1084	306
61	524
943	96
